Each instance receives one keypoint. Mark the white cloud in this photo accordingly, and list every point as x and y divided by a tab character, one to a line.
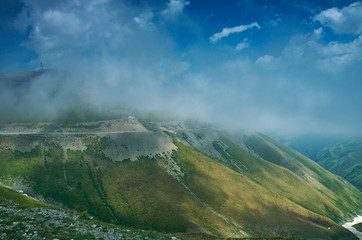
336	55
66	23
244	44
266	59
70	27
227	31
144	20
174	7
118	63
308	50
347	20
318	32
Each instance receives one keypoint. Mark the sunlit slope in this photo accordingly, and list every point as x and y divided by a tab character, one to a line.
276	167
339	199
257	210
344	160
20	199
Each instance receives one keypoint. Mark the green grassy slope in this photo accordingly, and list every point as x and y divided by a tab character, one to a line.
25	218
138	194
283	181
248	204
215	198
344	160
23	201
277	168
345	198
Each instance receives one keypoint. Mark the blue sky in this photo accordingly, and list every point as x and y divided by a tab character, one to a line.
277	66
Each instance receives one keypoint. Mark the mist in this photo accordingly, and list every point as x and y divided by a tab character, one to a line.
119	56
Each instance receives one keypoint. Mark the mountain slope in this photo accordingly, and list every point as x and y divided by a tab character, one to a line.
24	218
177	177
333	188
344	159
276	167
310	144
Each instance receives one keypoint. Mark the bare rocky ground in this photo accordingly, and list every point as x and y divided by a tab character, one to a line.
42	223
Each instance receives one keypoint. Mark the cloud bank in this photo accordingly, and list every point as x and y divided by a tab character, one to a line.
112	54
343	21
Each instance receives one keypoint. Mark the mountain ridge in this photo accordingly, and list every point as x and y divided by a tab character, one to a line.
133	190
344	159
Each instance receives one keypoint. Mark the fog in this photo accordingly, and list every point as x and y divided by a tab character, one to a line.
117	56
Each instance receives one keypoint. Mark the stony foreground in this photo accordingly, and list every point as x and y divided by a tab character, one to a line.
40	223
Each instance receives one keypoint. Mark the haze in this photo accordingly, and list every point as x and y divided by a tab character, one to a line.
288	67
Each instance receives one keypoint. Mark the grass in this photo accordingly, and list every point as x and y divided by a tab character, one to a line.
279	179
23	201
138	194
15	226
344	160
247	203
338	203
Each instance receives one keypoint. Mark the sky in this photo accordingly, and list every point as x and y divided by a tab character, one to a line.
287	67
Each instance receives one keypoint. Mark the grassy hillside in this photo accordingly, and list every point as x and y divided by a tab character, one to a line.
311	195
25	218
248	204
333	188
275	167
344	160
237	195
138	194
23	201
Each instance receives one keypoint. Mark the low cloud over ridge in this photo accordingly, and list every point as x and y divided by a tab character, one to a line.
120	54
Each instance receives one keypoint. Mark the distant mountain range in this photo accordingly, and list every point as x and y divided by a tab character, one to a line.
344	159
310	144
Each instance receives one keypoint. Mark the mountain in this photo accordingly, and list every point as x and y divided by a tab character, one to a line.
177	176
343	159
310	144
